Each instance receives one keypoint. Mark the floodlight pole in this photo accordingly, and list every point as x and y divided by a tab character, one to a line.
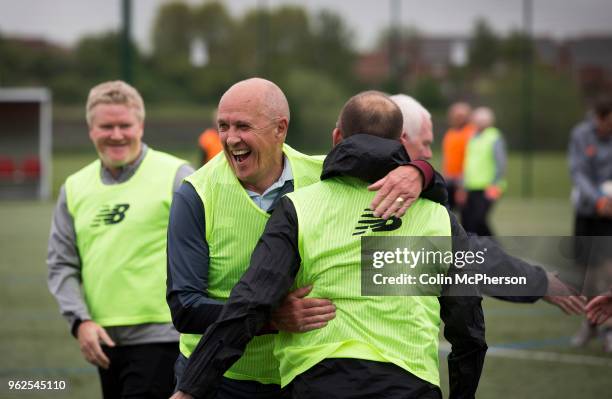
394	44
527	102
263	38
126	47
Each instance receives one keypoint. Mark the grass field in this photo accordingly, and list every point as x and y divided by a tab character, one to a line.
529	355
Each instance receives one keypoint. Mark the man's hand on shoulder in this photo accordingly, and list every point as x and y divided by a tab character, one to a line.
396	191
300	314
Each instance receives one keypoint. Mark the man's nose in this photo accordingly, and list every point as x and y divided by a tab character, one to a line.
116	133
233	137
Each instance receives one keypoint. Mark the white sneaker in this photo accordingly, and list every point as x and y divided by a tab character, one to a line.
586	332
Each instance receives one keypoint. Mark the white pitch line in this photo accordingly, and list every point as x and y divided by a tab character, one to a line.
543	356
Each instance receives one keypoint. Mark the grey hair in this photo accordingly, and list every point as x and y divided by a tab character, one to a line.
483	117
412	112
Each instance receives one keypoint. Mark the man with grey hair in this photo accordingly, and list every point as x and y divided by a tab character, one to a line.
106	254
417	134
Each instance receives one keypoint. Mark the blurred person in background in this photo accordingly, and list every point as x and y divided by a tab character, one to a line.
209	142
453	150
590	164
416	138
106	254
483	172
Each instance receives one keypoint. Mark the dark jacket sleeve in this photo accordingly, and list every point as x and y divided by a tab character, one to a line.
273	267
187	265
436	191
464	329
434	186
370	158
499	263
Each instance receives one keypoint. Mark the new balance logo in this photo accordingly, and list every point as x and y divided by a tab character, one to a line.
369	222
110	216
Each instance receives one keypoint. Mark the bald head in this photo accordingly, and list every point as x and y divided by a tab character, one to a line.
371	112
252	119
459	114
261	95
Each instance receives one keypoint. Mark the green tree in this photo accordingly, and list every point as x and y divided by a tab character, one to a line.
274	41
485	47
315	101
333	50
34	63
212	23
172	32
97	57
427	91
403	48
557	106
172	37
513	48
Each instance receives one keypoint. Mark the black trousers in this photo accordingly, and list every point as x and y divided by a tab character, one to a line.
360	379
238	389
475	213
452	187
592	226
139	371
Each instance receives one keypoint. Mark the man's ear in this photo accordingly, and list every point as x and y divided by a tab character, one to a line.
281	129
407	143
404	138
336	137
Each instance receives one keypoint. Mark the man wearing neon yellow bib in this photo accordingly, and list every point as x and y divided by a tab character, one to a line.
483	172
209	251
107	255
375	346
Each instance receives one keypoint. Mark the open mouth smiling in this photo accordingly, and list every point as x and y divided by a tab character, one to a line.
241	155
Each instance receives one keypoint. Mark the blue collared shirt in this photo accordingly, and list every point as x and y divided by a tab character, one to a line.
268	197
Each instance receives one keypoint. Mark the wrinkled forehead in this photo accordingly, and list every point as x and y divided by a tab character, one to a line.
243	103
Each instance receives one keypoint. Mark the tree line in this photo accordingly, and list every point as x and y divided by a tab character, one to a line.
312	57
